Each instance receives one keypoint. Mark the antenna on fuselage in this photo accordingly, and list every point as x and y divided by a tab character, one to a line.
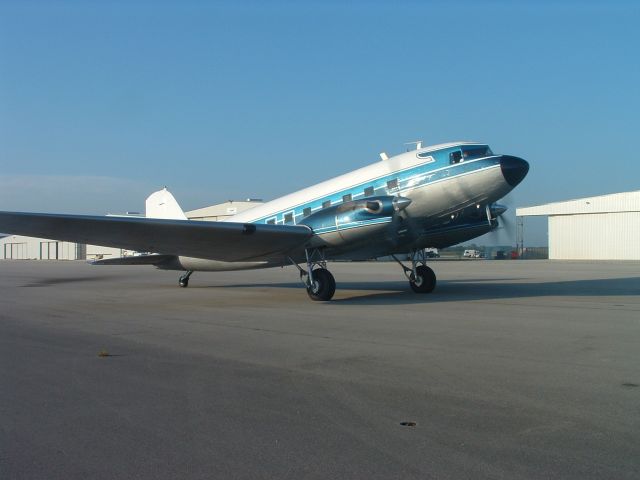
417	143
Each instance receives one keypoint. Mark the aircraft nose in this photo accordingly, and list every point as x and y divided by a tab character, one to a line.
514	169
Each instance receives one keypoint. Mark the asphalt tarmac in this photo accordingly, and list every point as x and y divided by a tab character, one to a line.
510	369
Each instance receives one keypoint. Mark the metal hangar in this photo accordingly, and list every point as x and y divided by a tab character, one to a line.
605	227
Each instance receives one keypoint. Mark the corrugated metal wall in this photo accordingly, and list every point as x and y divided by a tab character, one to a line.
601	236
17	247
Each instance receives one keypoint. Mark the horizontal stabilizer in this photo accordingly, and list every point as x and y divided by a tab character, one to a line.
153	259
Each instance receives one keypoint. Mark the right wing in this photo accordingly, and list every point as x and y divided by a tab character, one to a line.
226	241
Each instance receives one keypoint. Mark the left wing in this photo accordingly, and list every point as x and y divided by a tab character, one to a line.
227	241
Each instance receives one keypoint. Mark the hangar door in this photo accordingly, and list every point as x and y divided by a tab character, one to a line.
48	250
596	236
15	251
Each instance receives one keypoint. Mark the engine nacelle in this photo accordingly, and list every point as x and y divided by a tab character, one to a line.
357	219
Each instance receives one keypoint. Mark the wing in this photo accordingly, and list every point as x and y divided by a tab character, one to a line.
225	241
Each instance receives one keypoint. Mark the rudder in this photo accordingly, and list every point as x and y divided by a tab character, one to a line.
162	204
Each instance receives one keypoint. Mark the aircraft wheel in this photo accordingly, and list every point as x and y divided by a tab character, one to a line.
183	281
324	285
425	280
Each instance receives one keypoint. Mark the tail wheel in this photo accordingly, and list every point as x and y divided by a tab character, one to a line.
323	286
183	281
424	281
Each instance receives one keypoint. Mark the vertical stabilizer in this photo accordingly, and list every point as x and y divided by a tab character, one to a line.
162	204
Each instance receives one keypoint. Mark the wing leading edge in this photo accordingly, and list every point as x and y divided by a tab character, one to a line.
225	241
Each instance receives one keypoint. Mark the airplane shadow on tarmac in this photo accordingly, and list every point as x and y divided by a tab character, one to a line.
356	293
49	282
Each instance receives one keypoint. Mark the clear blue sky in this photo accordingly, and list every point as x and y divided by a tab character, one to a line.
103	102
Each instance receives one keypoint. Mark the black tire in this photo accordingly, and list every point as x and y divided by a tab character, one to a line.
425	280
183	282
324	285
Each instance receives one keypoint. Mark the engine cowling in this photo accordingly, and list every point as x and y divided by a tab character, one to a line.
354	220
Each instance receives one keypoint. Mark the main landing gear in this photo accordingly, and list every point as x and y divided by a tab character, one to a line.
421	278
183	281
318	281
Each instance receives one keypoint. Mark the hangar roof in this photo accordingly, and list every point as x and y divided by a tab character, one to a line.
613	202
223	209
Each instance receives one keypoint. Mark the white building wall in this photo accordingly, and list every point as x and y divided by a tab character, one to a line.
600	236
18	247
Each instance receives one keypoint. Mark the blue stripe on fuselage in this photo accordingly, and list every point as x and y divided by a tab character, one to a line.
350	225
409	179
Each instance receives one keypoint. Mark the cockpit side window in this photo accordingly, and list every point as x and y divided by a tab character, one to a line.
469	153
455	157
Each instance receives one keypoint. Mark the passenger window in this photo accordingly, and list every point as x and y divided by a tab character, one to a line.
288	217
391	184
271	221
346	198
306	212
368	192
326	204
455	157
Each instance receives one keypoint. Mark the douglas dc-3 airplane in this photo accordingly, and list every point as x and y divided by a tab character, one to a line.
436	196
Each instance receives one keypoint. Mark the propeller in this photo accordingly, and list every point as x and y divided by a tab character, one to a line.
504	233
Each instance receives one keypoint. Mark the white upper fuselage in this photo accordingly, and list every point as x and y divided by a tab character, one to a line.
444	194
354	184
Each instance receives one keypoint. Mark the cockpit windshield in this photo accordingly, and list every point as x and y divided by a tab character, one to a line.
469	153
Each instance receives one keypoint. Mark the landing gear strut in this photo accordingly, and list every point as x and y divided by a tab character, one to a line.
318	281
421	278
183	281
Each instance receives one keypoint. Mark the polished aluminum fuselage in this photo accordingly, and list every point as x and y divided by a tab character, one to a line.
442	194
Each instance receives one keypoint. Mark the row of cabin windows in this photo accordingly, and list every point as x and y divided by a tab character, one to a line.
368	192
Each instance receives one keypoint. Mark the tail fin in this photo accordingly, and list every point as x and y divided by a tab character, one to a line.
162	204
